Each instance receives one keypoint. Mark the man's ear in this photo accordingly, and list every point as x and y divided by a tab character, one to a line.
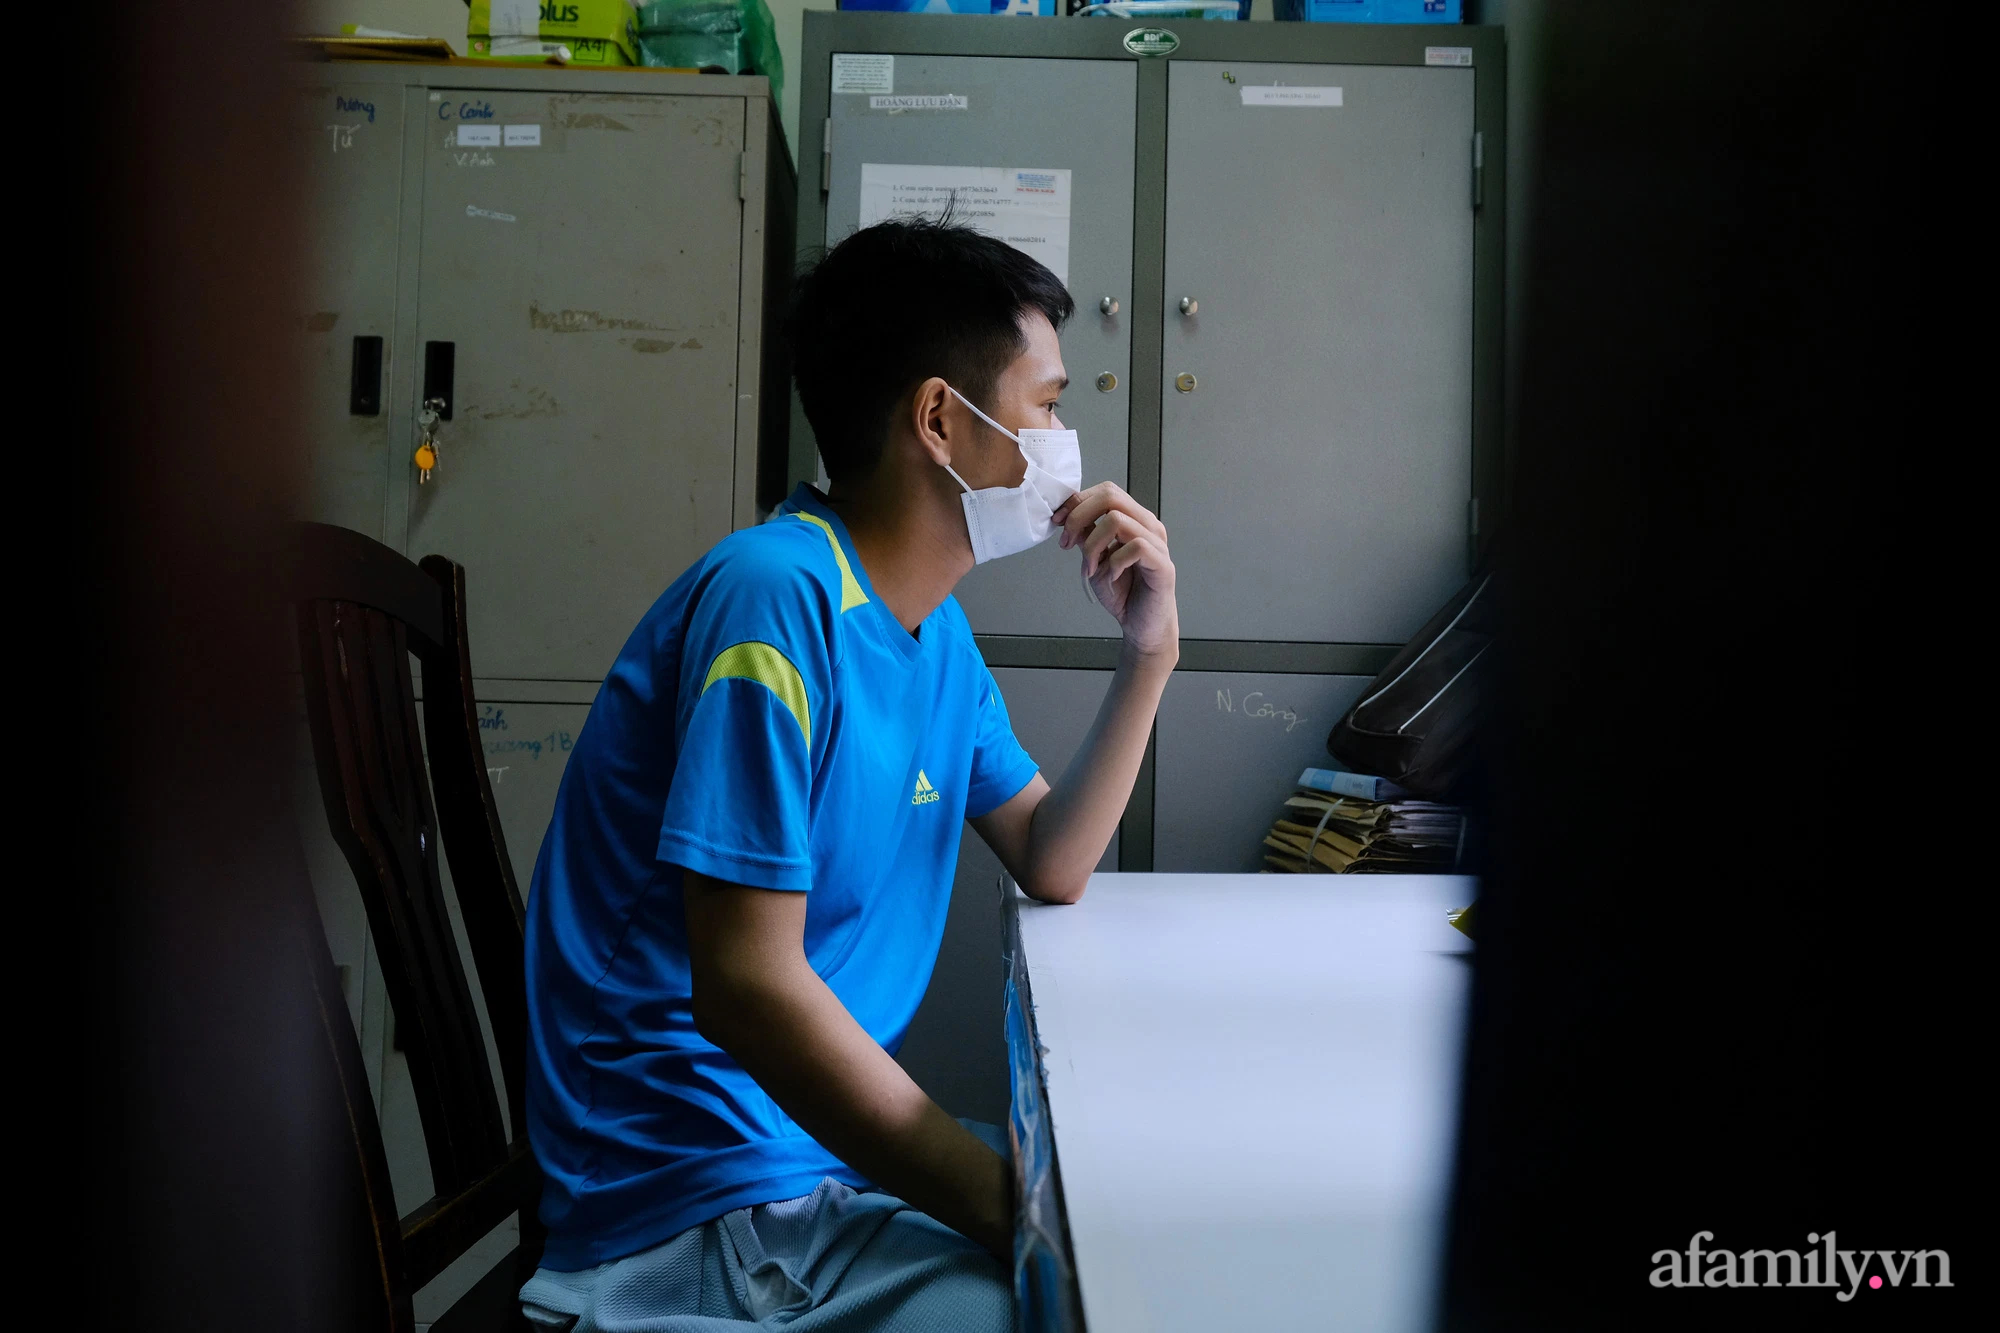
931	419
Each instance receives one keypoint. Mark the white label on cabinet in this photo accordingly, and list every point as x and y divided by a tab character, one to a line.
522	136
1260	95
919	102
1447	55
864	74
1027	207
479	136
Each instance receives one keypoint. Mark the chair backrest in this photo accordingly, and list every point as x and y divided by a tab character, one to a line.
363	611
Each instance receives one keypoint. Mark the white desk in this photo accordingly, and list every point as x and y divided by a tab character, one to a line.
1252	1085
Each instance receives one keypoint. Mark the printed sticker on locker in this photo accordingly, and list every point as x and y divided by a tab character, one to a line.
1027	207
864	74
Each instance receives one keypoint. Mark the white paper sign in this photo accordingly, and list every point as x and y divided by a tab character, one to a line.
864	74
1281	96
1447	55
918	102
1027	207
522	136
514	18
479	136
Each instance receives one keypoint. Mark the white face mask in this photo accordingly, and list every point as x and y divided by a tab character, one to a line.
1004	520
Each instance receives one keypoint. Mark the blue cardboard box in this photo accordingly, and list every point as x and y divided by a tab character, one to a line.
1028	8
1370	11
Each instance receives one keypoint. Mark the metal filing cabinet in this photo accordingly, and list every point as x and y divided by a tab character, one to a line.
584	265
1314	425
1303	367
1230	747
1327	276
351	138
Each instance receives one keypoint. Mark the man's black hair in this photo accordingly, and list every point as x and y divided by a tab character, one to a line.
894	304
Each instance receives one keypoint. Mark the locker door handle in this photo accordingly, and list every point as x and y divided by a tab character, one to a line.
364	378
440	364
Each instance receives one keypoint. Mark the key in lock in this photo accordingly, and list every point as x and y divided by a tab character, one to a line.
426	456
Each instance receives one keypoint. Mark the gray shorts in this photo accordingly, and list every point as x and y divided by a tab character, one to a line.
837	1260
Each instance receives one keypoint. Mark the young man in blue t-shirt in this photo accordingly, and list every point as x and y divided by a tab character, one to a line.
739	901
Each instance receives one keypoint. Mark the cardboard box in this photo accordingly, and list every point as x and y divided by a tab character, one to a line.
597	32
535	51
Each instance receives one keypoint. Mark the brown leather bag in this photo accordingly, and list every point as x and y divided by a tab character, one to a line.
1416	722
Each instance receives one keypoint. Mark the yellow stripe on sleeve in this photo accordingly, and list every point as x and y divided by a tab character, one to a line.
771	669
851	595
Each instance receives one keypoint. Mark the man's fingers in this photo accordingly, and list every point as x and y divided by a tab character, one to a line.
1112	533
1143	553
1105	497
1115	528
1077	521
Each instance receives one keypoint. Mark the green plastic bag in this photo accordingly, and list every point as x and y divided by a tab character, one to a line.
736	36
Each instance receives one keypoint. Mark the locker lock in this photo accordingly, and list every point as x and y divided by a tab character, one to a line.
1108	305
1190	306
1185	381
1106	382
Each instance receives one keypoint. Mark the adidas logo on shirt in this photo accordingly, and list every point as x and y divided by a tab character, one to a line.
925	793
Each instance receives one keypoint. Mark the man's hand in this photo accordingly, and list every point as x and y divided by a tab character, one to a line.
757	998
1050	838
1126	561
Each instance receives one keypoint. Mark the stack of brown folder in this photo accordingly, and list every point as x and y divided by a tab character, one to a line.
1319	834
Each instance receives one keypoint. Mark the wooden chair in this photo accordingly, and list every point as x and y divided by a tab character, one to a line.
362	611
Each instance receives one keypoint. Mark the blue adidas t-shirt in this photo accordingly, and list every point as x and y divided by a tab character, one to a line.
769	723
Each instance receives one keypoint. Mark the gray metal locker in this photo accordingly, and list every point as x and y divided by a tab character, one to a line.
588	291
589	260
527	744
1325	252
1328	200
347	316
954	1050
603	253
1231	746
600	254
